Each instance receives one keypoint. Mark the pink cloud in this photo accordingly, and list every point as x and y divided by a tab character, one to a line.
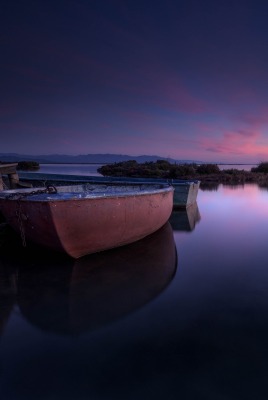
243	135
149	78
169	94
255	119
237	143
247	134
178	94
157	86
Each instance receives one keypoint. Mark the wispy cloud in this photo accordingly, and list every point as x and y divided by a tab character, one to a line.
237	143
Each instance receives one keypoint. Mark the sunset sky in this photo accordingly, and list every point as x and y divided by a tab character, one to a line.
185	79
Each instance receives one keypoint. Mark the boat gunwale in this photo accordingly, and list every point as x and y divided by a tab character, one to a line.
4	195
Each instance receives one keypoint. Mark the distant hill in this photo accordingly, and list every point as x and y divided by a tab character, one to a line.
86	158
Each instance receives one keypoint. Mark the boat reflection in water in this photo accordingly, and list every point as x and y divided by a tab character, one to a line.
185	220
8	289
67	296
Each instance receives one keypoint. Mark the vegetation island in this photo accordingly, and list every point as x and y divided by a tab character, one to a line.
204	172
28	166
24	165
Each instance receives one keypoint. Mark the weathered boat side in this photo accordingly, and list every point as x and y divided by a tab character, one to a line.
96	222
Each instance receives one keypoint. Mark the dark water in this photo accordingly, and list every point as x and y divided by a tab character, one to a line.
182	314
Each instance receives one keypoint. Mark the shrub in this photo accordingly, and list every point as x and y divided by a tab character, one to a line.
262	167
163	164
28	165
179	170
208	169
232	171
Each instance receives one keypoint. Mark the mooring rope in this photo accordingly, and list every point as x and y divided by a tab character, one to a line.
50	189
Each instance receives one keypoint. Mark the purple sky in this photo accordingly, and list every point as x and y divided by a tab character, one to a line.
186	79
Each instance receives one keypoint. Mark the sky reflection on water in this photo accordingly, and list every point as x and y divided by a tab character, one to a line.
199	334
70	169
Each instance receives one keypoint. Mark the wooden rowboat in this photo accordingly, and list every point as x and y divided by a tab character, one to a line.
85	219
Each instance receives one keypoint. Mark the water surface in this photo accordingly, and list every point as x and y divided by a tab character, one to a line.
70	169
182	314
91	169
245	167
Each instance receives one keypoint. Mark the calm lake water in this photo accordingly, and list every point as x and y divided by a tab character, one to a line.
70	169
182	314
245	167
91	169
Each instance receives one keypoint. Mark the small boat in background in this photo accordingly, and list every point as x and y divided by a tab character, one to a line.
185	193
84	219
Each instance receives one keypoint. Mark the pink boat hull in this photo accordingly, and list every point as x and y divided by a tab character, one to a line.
83	226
